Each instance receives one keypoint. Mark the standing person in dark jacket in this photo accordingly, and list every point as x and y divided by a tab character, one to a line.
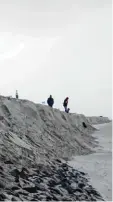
17	94
65	103
50	101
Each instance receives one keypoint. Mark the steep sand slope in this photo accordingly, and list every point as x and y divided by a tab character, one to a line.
31	132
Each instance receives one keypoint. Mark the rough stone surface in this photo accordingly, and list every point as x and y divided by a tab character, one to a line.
58	182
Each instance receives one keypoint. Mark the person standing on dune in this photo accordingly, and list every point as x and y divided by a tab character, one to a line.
17	94
65	103
50	101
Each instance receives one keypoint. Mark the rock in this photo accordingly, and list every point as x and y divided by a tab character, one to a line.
19	192
48	198
15	188
17	178
41	187
52	183
1	118
46	174
38	180
70	190
74	185
56	191
14	198
54	198
65	166
24	173
78	190
2	197
16	194
81	185
58	161
66	199
83	197
2	185
64	184
15	172
1	168
82	173
33	199
30	189
8	162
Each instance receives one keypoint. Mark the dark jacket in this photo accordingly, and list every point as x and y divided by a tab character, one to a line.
65	102
50	101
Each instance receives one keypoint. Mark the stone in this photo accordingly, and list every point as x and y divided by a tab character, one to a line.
81	185
2	197
15	172
52	183
64	184
8	162
15	188
48	198
21	192
2	185
30	189
56	191
54	198
24	173
58	161
14	198
1	168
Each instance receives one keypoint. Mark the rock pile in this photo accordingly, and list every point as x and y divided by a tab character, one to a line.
55	182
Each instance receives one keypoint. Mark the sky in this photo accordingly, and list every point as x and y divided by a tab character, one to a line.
62	48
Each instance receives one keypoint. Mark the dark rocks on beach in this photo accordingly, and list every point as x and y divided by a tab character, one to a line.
2	197
57	182
8	162
30	189
24	173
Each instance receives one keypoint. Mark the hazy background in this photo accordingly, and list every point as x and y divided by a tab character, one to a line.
58	47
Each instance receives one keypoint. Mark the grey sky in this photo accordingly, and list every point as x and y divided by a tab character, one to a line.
58	47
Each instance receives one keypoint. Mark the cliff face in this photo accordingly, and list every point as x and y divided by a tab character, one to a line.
35	133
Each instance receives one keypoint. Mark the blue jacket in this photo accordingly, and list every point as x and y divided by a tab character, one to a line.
50	101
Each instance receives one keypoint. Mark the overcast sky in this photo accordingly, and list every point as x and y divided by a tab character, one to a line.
58	47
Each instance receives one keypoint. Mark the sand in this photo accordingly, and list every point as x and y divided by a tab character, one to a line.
99	164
